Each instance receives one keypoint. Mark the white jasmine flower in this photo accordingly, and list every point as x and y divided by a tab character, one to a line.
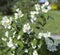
6	22
13	36
17	9
14	33
26	28
33	46
32	15
13	51
44	10
9	27
33	12
35	52
13	54
45	7
46	3
33	19
18	37
26	50
6	33
18	14
48	34
48	8
37	7
40	35
39	46
10	44
4	39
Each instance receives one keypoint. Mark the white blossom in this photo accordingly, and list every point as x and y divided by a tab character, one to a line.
26	50
6	22
10	44
46	3
26	28
35	52
14	33
13	54
4	39
33	19
49	7
6	33
48	34
34	12
32	15
33	46
37	7
19	14
18	37
17	10
45	7
44	10
40	35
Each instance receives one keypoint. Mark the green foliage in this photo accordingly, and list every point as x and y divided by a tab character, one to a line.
6	6
58	3
26	5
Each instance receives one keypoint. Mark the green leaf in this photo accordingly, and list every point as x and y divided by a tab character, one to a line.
14	25
20	43
21	32
34	42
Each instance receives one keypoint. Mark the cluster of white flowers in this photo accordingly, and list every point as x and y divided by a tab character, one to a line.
32	15
6	22
51	46
10	44
45	7
48	34
27	28
35	52
37	7
18	14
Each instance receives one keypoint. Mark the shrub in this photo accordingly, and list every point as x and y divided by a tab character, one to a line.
24	35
